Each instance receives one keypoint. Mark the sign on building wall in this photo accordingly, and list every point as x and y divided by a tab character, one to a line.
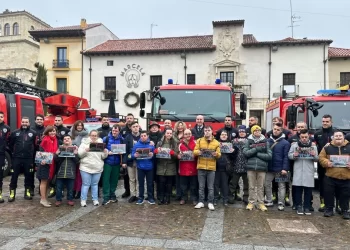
132	74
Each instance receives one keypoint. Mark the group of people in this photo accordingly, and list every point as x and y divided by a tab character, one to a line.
192	162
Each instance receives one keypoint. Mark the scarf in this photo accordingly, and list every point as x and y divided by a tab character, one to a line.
49	144
306	145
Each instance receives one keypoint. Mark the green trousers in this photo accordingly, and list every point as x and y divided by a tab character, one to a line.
110	180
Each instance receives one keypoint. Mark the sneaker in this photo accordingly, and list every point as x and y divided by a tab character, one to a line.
346	215
199	205
307	211
280	207
300	210
132	199
83	203
250	206
322	207
95	202
45	203
105	202
211	206
328	213
126	194
268	203
151	201
71	203
262	207
58	203
140	201
113	199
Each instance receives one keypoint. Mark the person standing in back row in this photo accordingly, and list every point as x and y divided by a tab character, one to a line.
232	132
4	137
253	120
198	130
22	145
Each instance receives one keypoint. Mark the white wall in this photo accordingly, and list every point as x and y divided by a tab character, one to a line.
98	35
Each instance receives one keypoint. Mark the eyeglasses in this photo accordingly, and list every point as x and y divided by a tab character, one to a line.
187	134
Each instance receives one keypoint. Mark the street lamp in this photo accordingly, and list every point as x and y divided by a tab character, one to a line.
184	56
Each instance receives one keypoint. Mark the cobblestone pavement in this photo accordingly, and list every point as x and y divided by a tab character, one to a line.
27	225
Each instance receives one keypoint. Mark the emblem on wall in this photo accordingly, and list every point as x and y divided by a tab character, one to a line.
227	42
132	74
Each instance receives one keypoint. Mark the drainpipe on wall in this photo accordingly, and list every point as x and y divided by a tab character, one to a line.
90	69
82	67
270	48
324	66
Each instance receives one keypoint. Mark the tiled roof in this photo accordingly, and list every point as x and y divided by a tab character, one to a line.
338	52
187	43
249	38
228	22
286	41
74	27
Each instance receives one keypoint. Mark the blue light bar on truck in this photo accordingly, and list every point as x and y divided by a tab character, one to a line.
94	119
326	92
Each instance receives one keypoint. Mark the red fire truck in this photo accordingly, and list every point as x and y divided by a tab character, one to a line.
311	109
185	102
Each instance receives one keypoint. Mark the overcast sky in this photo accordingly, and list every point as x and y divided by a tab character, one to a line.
267	20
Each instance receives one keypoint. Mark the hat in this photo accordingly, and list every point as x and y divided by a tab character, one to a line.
255	127
242	127
153	124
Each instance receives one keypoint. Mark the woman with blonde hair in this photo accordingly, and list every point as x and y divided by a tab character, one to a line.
179	129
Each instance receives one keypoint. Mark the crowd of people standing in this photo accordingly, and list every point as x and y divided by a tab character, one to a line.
192	163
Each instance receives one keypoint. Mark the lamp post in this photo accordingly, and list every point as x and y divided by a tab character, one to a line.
184	56
152	25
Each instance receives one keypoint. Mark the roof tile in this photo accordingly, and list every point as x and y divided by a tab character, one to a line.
74	27
338	52
286	41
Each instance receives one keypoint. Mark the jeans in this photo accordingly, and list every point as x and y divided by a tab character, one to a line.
206	176
110	181
298	190
268	188
221	185
256	180
233	185
149	179
89	180
60	184
192	181
331	187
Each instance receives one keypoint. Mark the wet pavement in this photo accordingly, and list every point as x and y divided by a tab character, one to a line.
28	225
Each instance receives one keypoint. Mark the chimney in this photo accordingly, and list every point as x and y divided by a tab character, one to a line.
83	23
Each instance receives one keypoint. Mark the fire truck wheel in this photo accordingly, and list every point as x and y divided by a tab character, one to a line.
132	94
7	166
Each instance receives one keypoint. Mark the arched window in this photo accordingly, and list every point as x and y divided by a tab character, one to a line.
7	29
15	29
32	27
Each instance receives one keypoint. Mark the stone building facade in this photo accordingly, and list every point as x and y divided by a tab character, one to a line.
19	52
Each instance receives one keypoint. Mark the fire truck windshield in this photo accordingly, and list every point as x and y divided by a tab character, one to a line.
339	110
184	104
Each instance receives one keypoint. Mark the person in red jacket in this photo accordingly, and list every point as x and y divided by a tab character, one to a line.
188	168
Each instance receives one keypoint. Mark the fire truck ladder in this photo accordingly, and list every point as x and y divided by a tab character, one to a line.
11	87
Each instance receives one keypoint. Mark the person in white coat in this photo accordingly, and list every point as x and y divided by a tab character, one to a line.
91	167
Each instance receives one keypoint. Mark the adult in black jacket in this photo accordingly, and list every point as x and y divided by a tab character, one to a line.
4	137
22	145
287	133
231	131
322	137
127	129
61	130
104	130
198	130
252	122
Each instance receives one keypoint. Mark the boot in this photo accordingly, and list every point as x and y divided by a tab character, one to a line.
27	195
126	194
12	196
1	199
322	205
52	192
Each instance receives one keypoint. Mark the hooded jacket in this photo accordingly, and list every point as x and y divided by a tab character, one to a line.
187	168
258	153
147	163
335	172
91	162
280	151
114	160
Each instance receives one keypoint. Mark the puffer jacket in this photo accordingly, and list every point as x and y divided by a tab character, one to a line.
280	151
147	163
66	166
207	163
91	162
335	172
258	153
167	167
187	168
114	160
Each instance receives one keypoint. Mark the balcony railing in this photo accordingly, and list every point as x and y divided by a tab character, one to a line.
106	95
246	89
60	64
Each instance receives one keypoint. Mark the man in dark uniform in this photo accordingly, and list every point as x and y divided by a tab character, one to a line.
4	137
104	130
22	145
232	132
252	122
61	130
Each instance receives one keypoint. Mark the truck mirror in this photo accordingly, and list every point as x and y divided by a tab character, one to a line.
162	100
142	100
315	113
243	115
142	113
243	102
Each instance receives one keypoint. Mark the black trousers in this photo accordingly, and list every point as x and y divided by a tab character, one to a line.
165	186
27	165
334	186
126	183
2	165
321	175
234	186
192	182
299	190
221	185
